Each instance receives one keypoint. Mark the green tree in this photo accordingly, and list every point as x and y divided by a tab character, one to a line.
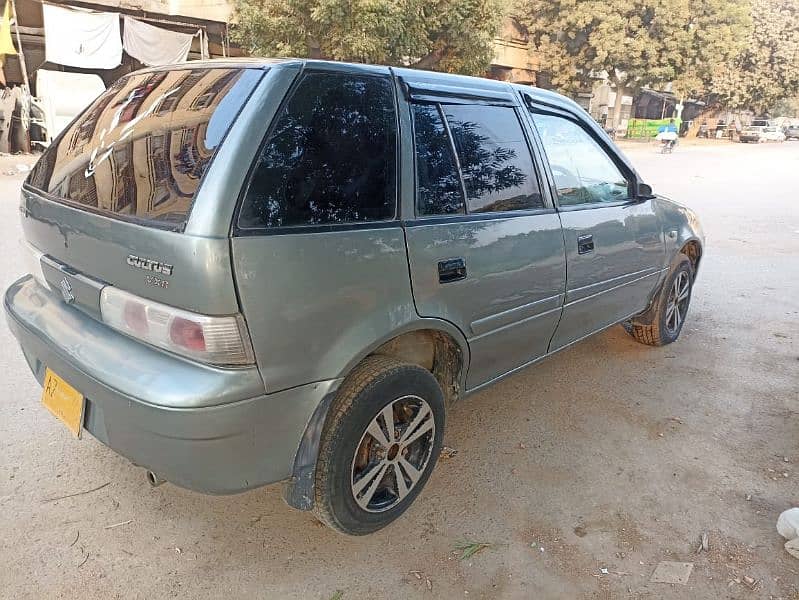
767	70
787	107
718	31
446	35
634	42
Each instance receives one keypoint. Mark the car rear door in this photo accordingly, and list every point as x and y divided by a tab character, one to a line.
485	246
614	242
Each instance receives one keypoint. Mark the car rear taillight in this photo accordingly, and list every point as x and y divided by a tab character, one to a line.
214	340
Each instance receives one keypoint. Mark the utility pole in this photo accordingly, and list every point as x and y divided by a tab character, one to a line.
21	55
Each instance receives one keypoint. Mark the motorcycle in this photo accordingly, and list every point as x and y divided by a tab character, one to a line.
667	139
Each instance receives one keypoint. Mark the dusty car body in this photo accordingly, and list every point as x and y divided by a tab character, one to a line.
260	271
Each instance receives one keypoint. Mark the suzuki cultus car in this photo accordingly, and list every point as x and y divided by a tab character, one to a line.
286	271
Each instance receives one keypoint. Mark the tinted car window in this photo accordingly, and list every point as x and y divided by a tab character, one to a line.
583	171
494	157
330	157
438	184
140	150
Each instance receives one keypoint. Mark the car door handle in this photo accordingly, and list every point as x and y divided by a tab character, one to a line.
452	269
585	244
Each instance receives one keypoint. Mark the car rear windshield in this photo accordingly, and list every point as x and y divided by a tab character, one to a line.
140	150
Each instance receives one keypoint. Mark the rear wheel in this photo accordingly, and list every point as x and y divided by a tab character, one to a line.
380	443
663	322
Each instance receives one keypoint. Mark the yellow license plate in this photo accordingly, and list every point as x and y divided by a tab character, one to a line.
64	401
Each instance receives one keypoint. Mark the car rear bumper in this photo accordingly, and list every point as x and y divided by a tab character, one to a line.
207	429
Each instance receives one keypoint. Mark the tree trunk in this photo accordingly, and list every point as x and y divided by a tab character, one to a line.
314	48
617	103
430	60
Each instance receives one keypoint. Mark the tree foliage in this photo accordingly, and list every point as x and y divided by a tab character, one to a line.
767	70
634	41
447	35
718	31
787	107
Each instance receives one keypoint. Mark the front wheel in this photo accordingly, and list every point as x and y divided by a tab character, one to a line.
664	321
381	440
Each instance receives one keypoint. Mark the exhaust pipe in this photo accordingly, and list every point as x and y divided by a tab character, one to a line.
154	479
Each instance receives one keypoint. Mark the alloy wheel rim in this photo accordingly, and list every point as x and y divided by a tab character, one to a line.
392	454
677	303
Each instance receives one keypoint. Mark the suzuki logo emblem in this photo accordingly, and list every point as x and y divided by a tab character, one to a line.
66	290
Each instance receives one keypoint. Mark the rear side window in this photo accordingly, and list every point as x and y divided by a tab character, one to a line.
438	184
494	158
140	150
330	158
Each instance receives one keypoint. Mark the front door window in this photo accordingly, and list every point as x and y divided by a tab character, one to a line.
583	172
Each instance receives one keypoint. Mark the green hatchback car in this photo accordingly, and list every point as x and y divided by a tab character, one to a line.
247	272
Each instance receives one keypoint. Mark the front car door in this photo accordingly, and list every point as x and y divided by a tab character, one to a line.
614	242
485	246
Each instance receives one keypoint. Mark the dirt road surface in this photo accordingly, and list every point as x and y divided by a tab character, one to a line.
609	455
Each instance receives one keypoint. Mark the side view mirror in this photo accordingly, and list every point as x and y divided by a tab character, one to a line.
644	191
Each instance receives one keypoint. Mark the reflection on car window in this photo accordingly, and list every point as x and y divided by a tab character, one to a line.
438	187
330	158
583	171
495	160
142	147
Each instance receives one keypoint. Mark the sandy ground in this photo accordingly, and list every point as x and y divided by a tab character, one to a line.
610	455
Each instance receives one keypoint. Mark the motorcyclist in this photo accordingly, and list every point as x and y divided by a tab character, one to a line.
667	133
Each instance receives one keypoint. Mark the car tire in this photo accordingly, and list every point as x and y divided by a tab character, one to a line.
368	472
663	322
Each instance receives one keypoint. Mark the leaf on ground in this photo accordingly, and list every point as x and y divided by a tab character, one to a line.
337	596
470	548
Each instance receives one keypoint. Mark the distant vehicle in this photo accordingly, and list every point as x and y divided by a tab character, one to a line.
792	132
761	130
772	134
750	133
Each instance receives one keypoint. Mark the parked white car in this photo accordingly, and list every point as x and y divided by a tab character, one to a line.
772	134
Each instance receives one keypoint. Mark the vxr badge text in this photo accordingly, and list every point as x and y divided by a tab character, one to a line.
148	264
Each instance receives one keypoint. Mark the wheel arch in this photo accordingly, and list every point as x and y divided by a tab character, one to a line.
693	250
434	344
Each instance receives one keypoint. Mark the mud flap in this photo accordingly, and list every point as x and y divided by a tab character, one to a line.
298	491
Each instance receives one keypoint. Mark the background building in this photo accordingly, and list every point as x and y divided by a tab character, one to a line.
184	16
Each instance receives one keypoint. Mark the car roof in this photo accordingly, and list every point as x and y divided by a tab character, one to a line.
538	95
242	62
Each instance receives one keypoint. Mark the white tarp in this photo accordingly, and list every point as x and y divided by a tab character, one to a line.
81	38
155	46
65	95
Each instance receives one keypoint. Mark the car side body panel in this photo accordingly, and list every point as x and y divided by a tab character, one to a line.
509	303
680	226
617	279
313	301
